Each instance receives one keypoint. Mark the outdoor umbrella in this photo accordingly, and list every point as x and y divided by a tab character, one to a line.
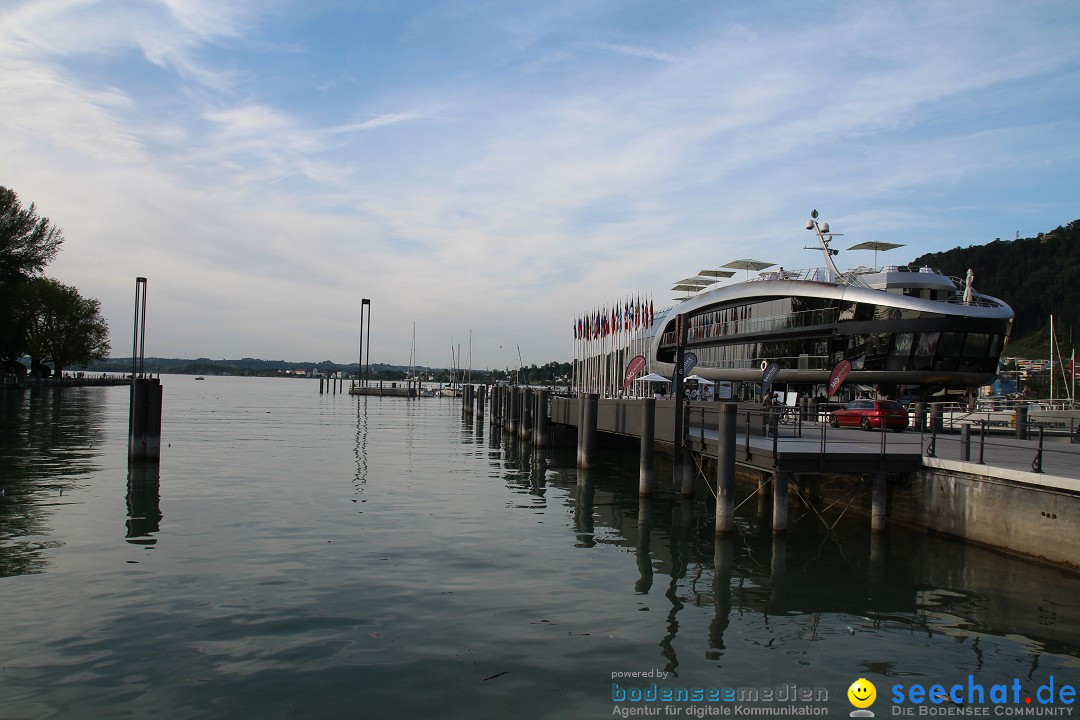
875	246
749	265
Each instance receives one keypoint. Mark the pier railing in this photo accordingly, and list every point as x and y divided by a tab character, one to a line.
804	441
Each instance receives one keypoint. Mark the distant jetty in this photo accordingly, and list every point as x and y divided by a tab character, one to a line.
74	380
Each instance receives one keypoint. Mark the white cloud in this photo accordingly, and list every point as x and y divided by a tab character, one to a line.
509	188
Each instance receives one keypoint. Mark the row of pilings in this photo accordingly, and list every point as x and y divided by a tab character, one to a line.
525	413
520	411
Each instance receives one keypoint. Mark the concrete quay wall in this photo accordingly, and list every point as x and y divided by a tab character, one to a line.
1030	514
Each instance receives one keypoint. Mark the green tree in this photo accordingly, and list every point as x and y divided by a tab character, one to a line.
61	326
27	244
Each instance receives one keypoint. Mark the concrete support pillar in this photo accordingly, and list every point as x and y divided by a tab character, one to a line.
648	432
580	426
920	416
144	419
780	502
877	504
937	418
686	457
763	499
587	457
1022	422
512	400
725	470
526	414
540	421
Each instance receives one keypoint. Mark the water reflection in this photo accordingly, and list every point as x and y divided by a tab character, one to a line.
143	503
50	440
361	446
816	582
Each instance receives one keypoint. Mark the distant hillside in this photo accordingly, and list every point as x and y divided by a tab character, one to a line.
244	366
549	373
1037	276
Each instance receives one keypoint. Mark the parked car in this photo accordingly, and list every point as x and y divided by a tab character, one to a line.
870	414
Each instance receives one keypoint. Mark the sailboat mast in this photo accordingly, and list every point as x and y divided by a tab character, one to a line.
1051	361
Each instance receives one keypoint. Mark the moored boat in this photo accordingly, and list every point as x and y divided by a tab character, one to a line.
897	326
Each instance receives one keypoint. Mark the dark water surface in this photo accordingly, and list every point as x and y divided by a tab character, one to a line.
306	555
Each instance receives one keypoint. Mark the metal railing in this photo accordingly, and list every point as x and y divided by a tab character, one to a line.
1033	449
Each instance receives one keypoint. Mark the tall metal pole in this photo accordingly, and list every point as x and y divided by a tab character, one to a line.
360	363
677	389
367	368
142	332
138	338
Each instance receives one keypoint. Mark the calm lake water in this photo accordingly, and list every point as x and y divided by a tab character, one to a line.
305	555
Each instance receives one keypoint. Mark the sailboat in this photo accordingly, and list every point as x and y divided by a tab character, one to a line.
452	389
413	378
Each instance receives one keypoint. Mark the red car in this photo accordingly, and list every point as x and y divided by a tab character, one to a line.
869	414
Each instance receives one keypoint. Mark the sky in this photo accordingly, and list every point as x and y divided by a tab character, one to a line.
491	170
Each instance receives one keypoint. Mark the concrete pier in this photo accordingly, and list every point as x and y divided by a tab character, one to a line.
884	478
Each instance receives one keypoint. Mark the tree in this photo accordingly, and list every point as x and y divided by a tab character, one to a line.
62	326
27	242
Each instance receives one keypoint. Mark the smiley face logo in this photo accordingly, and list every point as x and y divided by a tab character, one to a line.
862	693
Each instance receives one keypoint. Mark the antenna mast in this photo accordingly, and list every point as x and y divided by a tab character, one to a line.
824	238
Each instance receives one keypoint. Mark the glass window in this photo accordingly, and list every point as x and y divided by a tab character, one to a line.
950	344
900	356
976	345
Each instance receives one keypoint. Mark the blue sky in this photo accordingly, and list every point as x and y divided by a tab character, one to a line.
500	167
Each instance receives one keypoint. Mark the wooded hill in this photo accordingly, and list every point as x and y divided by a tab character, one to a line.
1037	276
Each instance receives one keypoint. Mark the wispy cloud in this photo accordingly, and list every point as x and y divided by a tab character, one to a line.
641	52
502	167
